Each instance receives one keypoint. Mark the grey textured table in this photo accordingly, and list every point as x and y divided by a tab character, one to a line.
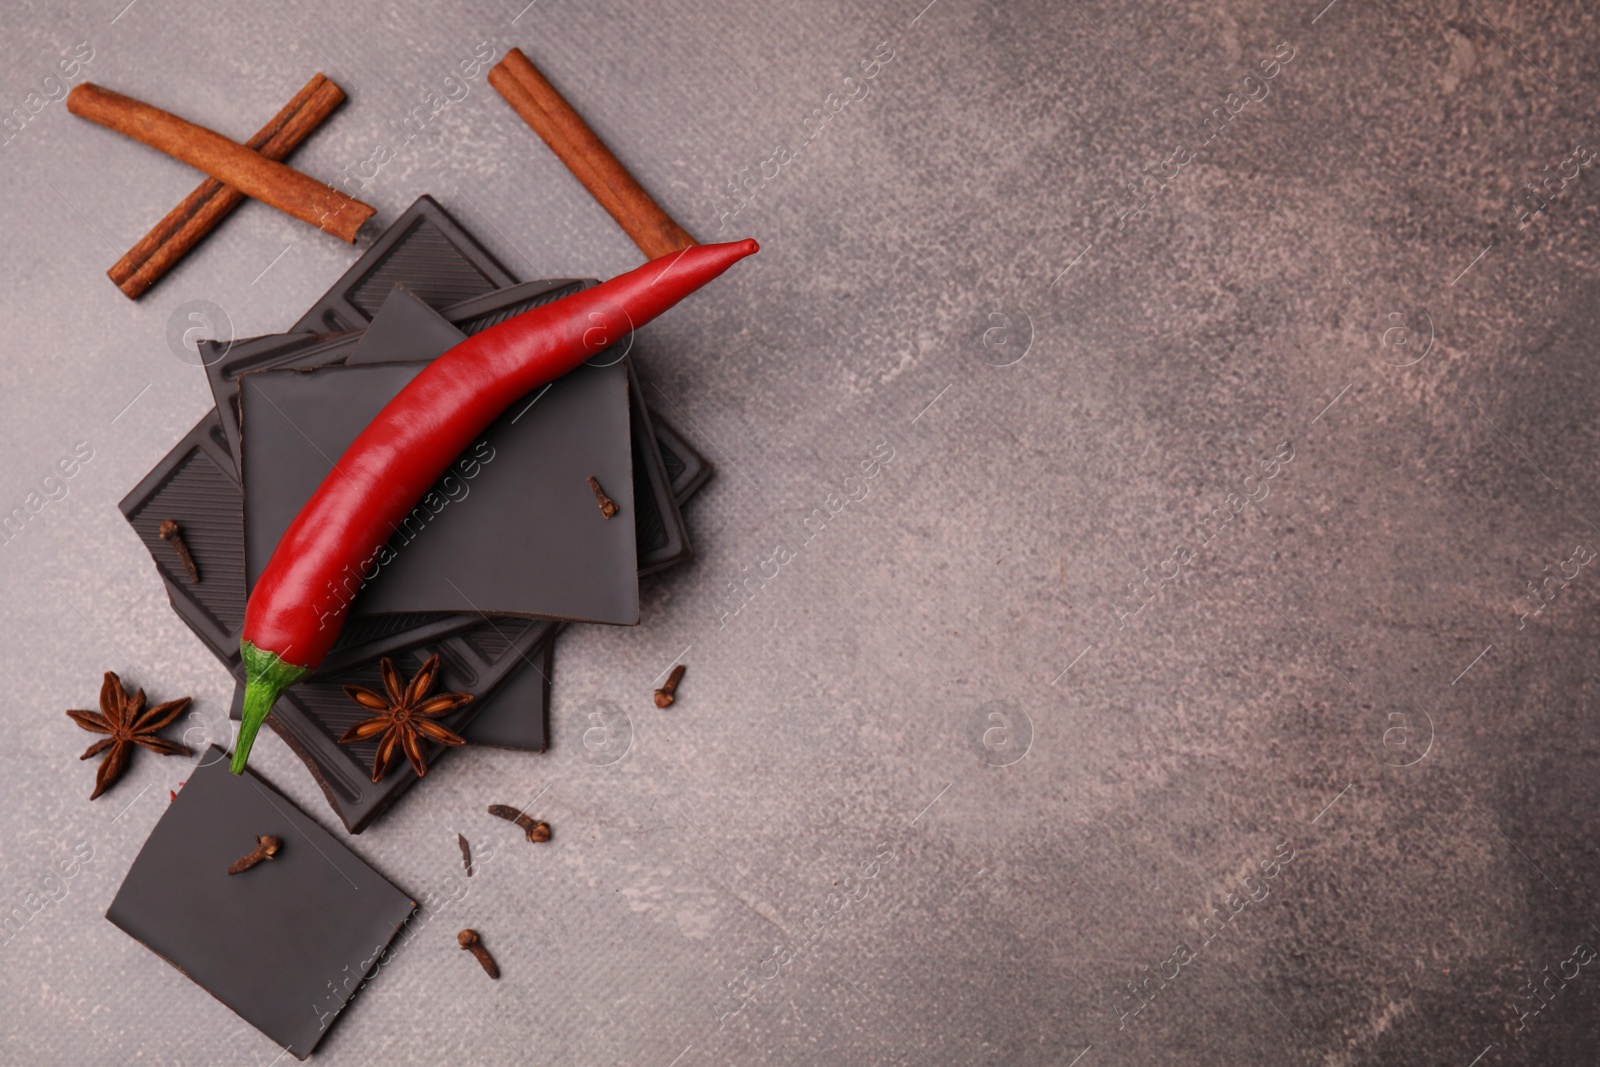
1205	678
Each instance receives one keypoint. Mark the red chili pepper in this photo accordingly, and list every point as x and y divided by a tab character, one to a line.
288	623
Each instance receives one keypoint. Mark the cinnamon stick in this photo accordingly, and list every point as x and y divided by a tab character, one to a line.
232	164
586	156
172	238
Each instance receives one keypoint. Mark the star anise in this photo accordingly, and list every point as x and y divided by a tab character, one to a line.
123	716
404	718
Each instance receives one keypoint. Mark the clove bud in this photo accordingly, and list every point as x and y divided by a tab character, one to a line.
667	693
469	940
266	848
538	830
608	507
171	531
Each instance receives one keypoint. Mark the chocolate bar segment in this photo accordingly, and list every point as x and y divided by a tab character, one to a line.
512	529
284	944
659	529
427	251
662	537
686	469
519	717
405	330
225	364
194	485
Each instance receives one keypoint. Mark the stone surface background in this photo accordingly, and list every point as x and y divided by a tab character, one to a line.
947	687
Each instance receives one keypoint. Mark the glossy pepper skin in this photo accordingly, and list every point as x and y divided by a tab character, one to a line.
294	614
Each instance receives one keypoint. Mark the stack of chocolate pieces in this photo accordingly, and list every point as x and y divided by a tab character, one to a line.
237	887
508	547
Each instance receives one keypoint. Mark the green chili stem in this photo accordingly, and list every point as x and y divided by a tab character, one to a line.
266	676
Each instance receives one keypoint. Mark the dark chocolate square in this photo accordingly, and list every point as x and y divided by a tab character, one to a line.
514	529
519	716
405	330
426	250
225	363
662	537
279	943
686	469
364	637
